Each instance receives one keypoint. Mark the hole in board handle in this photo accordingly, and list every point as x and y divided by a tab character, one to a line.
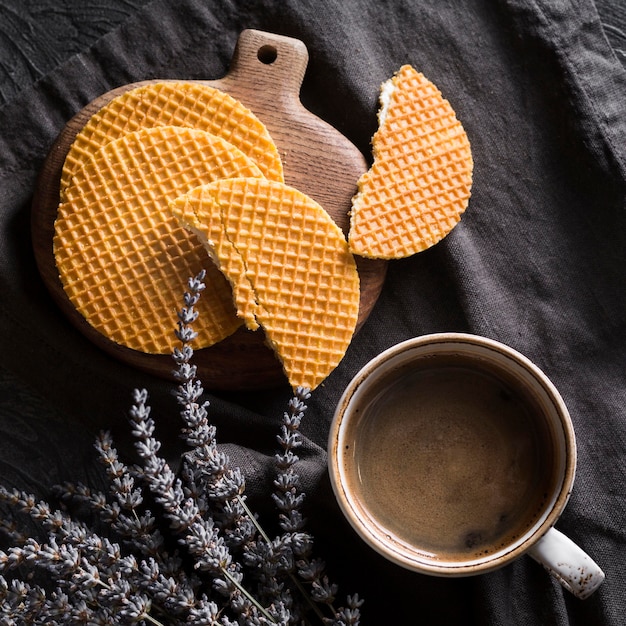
267	54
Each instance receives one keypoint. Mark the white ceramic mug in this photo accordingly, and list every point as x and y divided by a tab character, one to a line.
453	455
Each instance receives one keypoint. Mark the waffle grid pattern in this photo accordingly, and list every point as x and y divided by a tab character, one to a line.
296	258
122	256
419	184
176	103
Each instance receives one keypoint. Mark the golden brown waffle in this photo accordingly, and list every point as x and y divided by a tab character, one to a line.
176	103
123	258
290	268
419	184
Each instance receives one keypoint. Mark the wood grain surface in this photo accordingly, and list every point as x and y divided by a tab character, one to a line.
266	74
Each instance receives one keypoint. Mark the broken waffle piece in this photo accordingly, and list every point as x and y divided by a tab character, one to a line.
289	265
420	181
120	253
176	103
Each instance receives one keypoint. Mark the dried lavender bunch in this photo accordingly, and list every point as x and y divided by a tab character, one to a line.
174	548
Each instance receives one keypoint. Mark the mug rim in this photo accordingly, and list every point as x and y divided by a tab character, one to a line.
394	550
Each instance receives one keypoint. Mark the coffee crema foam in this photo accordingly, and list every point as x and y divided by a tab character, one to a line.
452	460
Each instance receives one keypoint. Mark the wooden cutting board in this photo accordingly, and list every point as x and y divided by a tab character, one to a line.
266	74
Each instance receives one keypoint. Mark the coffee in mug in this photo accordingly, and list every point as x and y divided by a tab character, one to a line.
452	455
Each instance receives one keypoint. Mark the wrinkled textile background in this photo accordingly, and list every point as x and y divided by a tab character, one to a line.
538	261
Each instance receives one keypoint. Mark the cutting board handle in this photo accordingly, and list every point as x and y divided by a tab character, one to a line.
261	61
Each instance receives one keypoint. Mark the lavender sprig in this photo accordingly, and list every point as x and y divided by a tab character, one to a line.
206	474
289	500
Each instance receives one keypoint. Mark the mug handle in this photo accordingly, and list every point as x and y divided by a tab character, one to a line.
568	563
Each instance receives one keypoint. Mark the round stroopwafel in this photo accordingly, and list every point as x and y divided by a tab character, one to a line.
122	257
290	268
420	181
176	103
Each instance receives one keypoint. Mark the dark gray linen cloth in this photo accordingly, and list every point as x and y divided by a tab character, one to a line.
538	261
